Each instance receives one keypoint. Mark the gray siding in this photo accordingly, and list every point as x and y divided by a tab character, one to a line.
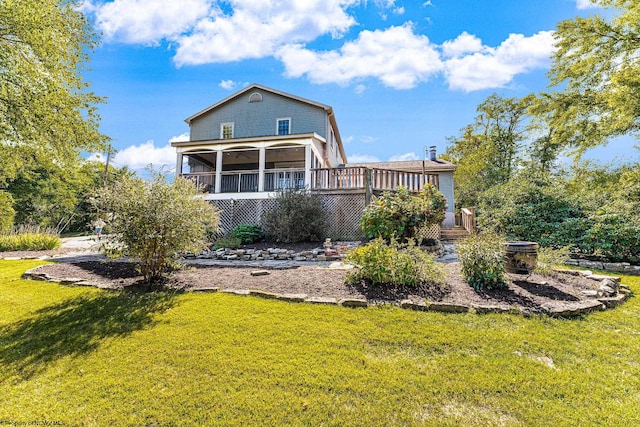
259	118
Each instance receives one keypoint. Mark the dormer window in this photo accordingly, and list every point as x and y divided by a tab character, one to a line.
255	97
283	126
226	130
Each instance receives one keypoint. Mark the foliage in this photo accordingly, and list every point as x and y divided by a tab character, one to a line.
400	215
482	258
298	217
153	220
107	351
230	242
7	213
550	258
29	239
393	264
597	72
534	208
248	233
44	103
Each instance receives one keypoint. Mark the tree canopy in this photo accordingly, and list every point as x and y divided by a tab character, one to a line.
596	69
45	104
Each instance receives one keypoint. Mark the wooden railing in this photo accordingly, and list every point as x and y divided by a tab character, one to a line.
469	219
369	178
204	180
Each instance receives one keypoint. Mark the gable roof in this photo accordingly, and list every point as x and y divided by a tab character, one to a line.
411	165
255	86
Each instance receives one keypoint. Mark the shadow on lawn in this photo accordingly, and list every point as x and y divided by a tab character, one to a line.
75	327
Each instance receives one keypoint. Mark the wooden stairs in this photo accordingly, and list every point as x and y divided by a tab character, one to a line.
453	234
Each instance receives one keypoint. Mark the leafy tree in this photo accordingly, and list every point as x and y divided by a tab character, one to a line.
154	220
597	70
6	212
44	102
401	215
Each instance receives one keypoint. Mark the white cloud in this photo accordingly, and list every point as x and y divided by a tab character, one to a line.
359	90
138	157
464	43
147	21
399	10
404	157
362	158
227	84
495	67
396	56
180	138
368	139
585	4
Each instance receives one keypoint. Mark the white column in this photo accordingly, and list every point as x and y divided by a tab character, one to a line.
307	166
261	161
179	164
219	154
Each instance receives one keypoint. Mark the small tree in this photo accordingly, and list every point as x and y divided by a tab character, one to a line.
7	212
299	217
401	215
154	220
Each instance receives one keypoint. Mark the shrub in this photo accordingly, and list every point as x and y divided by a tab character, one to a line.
298	217
230	242
27	238
482	259
401	215
247	233
549	258
382	263
7	213
153	220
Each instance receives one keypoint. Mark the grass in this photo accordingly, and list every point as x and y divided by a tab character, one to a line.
81	356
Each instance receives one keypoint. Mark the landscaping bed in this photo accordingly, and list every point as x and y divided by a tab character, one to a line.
560	294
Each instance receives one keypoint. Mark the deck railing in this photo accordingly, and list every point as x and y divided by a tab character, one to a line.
280	179
239	181
204	180
371	178
468	219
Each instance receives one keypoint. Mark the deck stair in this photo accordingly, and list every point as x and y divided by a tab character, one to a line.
453	234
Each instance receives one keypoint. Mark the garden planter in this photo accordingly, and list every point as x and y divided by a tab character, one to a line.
521	257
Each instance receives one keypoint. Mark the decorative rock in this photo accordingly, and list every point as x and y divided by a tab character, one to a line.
260	273
300	258
263	294
608	291
571	262
321	258
348	302
448	307
591	293
572	309
611	302
231	257
322	300
591	264
600	277
70	280
585	272
615	266
411	305
235	291
484	309
292	297
206	289
609	282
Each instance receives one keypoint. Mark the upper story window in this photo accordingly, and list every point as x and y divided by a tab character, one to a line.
283	126
255	97
226	130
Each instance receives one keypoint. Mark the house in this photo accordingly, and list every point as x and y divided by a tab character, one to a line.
246	147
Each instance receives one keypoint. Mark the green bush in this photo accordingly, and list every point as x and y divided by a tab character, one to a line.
26	238
248	233
298	217
7	213
154	220
230	242
482	258
381	263
549	258
402	215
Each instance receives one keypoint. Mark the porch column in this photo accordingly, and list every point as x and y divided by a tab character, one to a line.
307	166
261	160
219	171
179	164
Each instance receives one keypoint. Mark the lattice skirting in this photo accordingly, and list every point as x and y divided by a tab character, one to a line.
344	211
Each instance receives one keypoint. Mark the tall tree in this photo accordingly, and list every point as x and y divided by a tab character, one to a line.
45	104
597	70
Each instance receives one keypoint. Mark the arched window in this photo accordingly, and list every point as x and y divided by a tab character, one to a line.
255	97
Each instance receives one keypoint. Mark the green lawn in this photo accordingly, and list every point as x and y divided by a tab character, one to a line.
82	356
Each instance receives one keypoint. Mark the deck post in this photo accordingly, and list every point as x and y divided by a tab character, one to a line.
367	186
307	166
261	161
218	186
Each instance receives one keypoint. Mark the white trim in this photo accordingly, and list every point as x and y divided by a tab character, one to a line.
259	97
222	126
240	196
278	125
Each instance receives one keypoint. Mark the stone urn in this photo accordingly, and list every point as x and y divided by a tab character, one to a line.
521	257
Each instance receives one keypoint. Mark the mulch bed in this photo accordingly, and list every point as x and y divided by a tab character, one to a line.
527	293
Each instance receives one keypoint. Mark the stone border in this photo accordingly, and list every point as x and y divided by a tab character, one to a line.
598	303
615	267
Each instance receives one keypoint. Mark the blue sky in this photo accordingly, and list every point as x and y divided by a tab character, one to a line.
400	75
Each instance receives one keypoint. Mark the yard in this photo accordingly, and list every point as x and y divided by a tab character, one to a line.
82	356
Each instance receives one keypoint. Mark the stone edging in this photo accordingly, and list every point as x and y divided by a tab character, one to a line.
569	310
614	267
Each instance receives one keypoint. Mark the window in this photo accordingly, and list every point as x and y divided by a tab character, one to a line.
283	126
226	130
255	97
